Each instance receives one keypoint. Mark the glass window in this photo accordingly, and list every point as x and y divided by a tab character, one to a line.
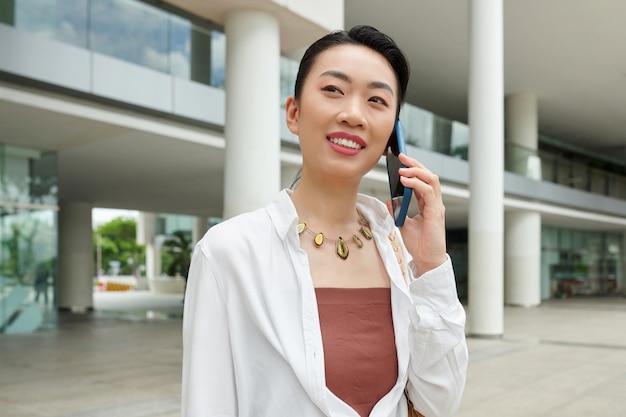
581	263
28	239
132	31
28	268
459	142
27	176
129	30
197	53
418	126
180	47
218	59
61	20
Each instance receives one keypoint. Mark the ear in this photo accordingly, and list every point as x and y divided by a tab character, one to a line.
292	114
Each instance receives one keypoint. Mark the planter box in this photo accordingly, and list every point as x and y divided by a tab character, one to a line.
166	285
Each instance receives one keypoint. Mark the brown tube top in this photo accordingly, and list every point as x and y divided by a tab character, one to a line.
359	344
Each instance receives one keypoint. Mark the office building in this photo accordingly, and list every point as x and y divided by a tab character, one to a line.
176	107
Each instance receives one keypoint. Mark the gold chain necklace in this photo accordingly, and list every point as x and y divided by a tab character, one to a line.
341	246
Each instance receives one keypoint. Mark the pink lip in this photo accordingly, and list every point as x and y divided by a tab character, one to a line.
346	135
342	149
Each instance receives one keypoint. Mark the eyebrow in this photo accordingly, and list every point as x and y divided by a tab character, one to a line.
345	77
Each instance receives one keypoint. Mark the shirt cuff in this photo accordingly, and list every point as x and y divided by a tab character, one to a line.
434	289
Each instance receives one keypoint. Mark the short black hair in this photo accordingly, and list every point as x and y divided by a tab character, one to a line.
359	35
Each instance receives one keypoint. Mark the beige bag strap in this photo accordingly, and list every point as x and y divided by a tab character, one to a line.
397	250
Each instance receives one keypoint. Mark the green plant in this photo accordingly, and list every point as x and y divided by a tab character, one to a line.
179	248
116	241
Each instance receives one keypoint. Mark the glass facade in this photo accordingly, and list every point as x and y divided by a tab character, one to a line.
574	263
60	20
578	263
456	243
28	239
162	41
429	131
584	172
578	168
185	48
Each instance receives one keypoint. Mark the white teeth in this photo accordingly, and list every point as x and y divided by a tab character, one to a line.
345	142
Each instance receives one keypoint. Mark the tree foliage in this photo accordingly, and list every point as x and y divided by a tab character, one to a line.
179	247
118	242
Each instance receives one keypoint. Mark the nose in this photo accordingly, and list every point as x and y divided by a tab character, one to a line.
352	114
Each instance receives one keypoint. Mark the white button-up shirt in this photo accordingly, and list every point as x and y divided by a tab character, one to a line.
251	334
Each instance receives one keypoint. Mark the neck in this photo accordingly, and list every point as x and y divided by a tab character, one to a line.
326	204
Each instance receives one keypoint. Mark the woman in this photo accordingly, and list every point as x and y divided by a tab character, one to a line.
283	317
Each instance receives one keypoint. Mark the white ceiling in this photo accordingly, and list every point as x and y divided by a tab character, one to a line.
568	52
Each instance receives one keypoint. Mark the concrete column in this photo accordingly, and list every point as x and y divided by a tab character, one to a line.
521	124
252	130
153	261
522	270
146	226
522	262
76	257
521	131
200	226
486	218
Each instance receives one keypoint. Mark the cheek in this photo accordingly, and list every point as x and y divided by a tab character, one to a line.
387	129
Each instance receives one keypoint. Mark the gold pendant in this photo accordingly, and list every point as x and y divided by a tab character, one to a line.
358	241
362	219
366	232
301	227
342	248
319	239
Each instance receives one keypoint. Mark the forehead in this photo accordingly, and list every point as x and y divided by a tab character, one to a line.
356	61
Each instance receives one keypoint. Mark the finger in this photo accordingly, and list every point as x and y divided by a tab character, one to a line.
417	169
425	193
423	175
410	162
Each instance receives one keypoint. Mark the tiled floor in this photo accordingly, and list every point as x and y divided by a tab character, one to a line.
566	358
112	363
563	359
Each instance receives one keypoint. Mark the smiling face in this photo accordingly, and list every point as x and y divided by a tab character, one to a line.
345	113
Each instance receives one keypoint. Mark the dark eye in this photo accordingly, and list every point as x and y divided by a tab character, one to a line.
332	89
378	100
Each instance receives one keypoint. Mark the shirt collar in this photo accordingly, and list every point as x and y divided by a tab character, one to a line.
285	218
283	214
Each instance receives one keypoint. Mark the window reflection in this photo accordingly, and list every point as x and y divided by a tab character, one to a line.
218	58
579	263
129	30
28	239
61	20
27	176
28	269
197	53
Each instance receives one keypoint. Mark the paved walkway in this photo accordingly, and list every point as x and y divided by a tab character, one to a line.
564	359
